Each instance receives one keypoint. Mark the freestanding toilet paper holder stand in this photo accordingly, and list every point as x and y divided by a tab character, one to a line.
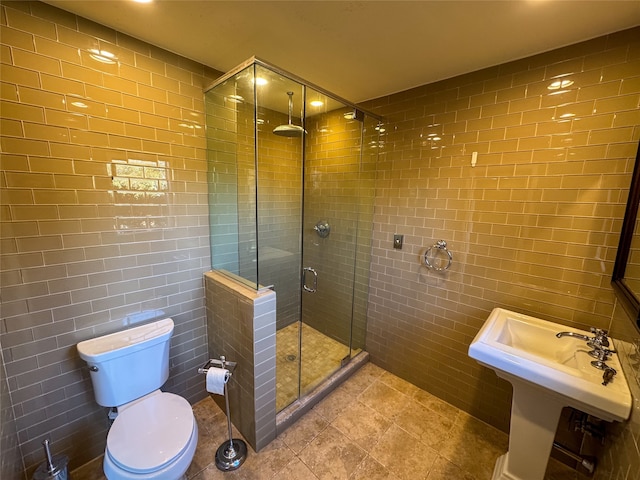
230	455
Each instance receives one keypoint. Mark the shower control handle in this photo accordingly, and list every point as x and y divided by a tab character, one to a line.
304	280
322	228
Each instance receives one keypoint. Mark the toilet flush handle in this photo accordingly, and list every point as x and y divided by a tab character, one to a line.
93	368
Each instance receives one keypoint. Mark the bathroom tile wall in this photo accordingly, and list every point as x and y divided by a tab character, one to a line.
241	324
104	214
533	226
621	457
340	167
11	460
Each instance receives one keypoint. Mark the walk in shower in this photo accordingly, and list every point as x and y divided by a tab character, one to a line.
291	190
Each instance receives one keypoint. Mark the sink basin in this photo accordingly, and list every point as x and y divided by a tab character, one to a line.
547	373
527	347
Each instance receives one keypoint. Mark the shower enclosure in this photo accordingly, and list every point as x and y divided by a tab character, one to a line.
291	190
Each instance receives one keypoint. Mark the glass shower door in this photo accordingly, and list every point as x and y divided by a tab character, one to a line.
279	174
329	234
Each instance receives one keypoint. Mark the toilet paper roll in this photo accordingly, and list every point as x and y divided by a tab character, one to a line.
216	379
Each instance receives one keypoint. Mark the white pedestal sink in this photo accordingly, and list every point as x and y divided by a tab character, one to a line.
547	373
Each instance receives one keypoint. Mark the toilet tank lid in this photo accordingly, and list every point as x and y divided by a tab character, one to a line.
104	348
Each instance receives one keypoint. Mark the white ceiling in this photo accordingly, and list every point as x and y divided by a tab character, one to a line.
361	50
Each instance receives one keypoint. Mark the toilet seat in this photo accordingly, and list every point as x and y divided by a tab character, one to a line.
150	433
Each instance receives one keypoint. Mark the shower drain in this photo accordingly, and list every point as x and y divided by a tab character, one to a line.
291	358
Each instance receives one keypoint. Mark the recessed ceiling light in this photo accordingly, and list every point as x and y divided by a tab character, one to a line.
261	81
316	103
143	1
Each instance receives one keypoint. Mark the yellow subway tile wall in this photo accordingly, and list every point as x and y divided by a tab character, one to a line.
104	218
533	226
339	175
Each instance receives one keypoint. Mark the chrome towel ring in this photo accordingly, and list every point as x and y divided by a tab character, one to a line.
439	246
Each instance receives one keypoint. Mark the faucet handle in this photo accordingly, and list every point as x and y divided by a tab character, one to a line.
600	340
599	352
607	376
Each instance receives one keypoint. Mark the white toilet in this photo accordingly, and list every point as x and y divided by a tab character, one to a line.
154	434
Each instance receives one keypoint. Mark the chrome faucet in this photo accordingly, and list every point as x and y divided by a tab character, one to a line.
598	341
599	345
573	334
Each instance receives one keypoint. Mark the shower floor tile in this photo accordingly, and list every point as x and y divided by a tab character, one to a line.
321	356
350	436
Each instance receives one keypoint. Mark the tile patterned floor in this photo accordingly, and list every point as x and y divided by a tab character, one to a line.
375	426
321	357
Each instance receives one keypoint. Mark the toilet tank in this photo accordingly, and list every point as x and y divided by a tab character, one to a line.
128	364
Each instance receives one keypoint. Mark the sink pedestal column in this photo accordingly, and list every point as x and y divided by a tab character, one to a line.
534	419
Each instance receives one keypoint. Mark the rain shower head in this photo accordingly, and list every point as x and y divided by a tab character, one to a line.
289	130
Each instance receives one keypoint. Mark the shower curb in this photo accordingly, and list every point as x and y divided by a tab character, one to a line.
291	414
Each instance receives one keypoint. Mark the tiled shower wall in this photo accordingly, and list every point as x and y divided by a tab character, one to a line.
340	173
279	185
104	214
533	226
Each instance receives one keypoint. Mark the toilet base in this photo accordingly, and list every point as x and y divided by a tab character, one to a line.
231	454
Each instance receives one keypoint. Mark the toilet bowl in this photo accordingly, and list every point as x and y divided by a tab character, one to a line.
154	437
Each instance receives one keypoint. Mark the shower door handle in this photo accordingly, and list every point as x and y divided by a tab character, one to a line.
304	280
